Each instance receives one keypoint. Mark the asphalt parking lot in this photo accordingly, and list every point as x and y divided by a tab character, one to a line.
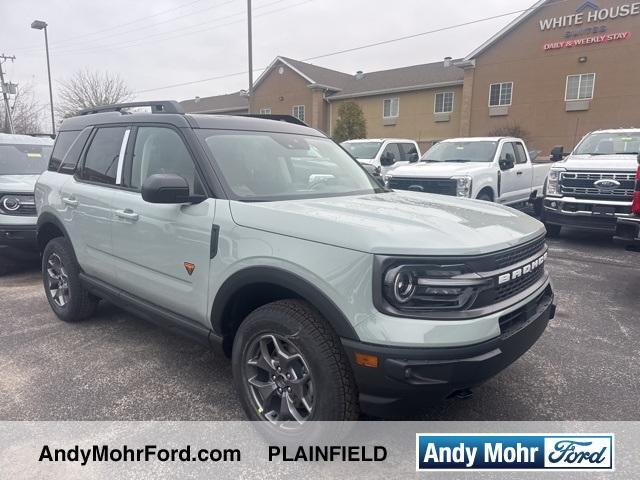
117	367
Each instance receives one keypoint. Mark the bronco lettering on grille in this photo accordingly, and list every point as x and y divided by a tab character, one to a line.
522	271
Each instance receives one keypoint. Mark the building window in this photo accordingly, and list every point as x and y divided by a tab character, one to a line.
500	94
444	102
298	112
580	87
391	107
265	111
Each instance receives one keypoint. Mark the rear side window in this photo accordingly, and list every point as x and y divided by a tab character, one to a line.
410	152
101	160
70	160
521	155
64	140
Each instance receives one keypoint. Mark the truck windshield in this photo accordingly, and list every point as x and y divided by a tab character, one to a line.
21	159
461	152
362	150
266	166
621	143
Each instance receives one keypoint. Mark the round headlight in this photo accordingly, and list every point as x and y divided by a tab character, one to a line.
11	204
404	286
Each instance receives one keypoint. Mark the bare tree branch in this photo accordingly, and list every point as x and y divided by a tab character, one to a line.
88	89
25	113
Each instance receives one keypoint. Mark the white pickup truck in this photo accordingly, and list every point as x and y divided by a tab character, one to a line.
493	169
384	154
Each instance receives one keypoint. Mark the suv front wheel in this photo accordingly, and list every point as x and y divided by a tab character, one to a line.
69	300
289	367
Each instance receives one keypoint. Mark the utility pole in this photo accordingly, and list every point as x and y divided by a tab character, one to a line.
250	53
5	92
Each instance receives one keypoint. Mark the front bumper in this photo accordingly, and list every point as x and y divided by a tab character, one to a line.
23	236
628	232
414	376
583	213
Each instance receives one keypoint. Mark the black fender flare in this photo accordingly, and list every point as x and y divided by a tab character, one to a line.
284	279
49	218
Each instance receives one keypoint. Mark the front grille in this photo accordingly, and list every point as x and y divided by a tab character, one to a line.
582	185
444	186
516	254
518	285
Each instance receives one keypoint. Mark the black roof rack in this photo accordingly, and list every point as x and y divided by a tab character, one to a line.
162	106
280	118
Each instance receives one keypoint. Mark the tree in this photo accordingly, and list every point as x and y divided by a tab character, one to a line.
351	123
88	89
509	130
25	113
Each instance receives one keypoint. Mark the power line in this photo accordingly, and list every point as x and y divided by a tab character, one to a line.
134	21
361	47
152	38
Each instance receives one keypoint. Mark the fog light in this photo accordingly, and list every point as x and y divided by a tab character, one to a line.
554	204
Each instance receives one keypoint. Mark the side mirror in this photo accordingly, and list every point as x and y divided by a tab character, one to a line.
508	162
387	159
557	153
413	157
167	188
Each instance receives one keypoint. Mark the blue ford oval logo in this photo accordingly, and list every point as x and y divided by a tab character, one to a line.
606	184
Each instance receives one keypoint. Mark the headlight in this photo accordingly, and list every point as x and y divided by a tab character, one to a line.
10	203
387	179
16	204
430	288
464	185
553	183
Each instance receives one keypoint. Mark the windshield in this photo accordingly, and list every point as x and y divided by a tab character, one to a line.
20	159
461	152
265	166
622	143
362	150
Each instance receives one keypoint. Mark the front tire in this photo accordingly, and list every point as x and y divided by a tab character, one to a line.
289	367
553	230
485	197
68	299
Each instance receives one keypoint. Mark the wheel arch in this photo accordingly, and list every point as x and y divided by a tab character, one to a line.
489	190
252	287
48	228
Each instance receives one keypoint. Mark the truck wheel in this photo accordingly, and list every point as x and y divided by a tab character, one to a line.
538	207
485	197
69	300
289	367
553	230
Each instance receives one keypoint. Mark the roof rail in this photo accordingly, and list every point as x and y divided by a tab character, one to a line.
162	106
280	118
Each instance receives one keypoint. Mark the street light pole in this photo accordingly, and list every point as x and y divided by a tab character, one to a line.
250	53
5	93
40	25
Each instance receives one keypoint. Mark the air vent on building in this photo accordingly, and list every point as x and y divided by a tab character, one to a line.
359	75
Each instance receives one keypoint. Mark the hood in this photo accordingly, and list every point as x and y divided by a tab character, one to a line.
18	183
394	223
600	163
441	169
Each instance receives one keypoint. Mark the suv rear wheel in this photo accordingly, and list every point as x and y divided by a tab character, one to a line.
69	300
289	367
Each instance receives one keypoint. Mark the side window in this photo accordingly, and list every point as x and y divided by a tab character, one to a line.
101	160
508	152
394	149
70	160
64	141
161	150
521	155
409	152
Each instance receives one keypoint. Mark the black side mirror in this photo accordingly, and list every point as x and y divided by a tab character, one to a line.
387	159
413	157
508	162
168	188
557	153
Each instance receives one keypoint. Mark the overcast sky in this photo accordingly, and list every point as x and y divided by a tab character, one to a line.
155	43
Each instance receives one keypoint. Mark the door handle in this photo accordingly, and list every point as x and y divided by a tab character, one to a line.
127	214
72	202
519	173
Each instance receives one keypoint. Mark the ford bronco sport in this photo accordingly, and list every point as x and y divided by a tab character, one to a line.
264	238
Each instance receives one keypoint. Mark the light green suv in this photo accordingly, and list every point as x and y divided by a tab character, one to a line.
264	238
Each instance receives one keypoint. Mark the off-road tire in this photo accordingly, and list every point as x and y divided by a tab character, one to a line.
302	325
81	304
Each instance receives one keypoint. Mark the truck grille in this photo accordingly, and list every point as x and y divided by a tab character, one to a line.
443	186
582	185
514	255
521	284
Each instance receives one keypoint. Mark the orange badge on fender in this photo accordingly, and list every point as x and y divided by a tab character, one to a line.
190	267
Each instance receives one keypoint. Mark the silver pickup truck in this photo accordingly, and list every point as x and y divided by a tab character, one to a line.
593	187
